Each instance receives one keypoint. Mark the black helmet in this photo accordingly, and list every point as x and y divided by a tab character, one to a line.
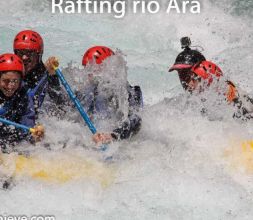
186	59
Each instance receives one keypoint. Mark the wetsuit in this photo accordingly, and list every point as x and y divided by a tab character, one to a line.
20	109
39	83
92	101
242	102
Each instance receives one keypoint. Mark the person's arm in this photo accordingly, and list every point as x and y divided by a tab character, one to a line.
20	111
135	98
131	126
128	128
28	119
242	101
244	106
55	90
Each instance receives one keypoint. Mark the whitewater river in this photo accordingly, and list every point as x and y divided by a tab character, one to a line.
181	165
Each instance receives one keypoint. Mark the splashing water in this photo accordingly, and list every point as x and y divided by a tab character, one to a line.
182	164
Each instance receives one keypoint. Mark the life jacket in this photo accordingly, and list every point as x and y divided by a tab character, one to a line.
12	108
95	103
17	109
38	93
40	83
135	100
208	71
231	94
36	83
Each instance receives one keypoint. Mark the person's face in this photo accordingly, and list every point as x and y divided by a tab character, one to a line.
30	58
189	80
9	83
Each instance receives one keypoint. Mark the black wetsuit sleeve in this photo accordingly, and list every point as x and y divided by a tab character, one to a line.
242	111
128	128
9	137
19	112
131	126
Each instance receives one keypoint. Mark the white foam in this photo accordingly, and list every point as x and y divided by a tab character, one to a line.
174	168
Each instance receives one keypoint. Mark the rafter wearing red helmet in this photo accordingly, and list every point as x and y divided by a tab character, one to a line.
197	74
96	54
29	46
98	103
14	101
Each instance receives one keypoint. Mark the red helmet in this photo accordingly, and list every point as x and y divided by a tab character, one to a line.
11	62
206	70
99	53
28	40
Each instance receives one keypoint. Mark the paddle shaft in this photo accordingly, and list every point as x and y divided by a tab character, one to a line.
76	101
16	125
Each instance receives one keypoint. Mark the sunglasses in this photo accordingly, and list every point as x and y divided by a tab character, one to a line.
188	76
11	81
27	53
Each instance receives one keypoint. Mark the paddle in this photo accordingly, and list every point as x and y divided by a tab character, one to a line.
78	105
8	182
16	125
